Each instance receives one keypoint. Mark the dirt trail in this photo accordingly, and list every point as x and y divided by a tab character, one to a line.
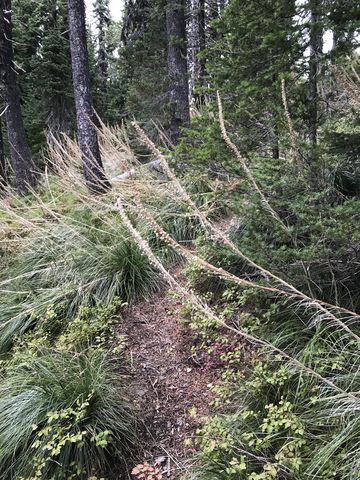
167	382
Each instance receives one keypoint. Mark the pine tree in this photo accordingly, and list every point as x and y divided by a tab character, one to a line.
177	68
154	59
42	52
135	19
144	62
19	149
54	70
108	76
343	18
92	163
254	49
117	79
101	12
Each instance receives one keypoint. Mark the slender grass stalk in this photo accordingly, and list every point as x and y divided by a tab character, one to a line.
323	307
206	310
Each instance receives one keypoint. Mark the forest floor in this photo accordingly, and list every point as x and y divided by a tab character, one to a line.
169	383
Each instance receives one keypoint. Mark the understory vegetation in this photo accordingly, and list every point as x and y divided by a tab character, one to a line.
272	296
179	217
269	252
69	268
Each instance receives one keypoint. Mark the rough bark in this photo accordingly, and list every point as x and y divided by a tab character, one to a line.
202	46
93	169
316	47
3	180
20	154
177	68
196	43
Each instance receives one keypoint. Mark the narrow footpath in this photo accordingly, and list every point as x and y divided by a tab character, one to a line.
168	385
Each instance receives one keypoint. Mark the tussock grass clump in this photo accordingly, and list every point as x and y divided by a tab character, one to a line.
63	415
64	270
65	261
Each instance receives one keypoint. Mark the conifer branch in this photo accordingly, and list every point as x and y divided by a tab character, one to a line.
245	168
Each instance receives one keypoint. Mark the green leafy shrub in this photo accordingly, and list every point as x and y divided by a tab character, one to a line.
270	428
274	421
203	145
92	328
63	415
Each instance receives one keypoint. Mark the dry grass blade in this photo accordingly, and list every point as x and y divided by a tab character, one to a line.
323	308
349	81
206	310
325	315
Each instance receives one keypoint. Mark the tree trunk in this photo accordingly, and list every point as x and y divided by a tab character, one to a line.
196	43
202	46
275	151
275	147
316	46
222	5
3	180
177	68
93	169
19	149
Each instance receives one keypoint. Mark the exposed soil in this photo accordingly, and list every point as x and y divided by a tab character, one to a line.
167	383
